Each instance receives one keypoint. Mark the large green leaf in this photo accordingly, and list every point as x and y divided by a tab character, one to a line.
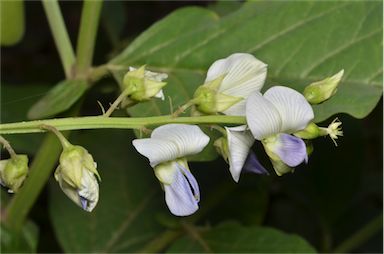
58	99
130	197
300	41
234	238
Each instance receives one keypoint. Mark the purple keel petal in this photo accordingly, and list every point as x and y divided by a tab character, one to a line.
291	150
179	197
192	181
253	165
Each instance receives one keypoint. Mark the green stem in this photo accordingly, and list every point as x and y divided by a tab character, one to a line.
40	171
87	35
60	35
100	122
64	142
361	236
7	146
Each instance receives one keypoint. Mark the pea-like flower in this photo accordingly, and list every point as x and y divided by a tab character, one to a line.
236	150
228	83
166	150
76	175
272	117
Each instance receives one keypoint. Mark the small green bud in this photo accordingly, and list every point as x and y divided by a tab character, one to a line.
13	172
208	100
221	145
310	132
76	175
321	91
142	85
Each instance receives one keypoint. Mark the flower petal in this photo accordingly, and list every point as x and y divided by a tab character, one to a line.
89	191
294	109
188	139
244	74
262	117
156	150
253	165
179	197
192	181
240	141
290	149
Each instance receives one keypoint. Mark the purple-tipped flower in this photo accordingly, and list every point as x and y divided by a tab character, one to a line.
166	150
235	149
272	117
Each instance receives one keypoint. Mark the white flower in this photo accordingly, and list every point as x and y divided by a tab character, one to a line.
229	82
76	175
237	151
272	117
166	150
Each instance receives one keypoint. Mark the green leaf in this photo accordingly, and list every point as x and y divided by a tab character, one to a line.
15	102
130	196
234	238
11	22
58	99
300	41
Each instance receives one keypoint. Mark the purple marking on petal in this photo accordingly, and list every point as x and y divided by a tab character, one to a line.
179	197
192	181
253	165
291	150
84	202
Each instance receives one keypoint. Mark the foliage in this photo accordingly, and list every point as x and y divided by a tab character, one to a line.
301	42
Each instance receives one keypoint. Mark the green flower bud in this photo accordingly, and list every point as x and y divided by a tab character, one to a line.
13	172
221	145
321	91
142	85
208	100
310	132
76	175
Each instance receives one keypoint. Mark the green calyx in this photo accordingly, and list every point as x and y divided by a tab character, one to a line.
141	85
73	160
321	91
221	145
14	171
209	100
310	132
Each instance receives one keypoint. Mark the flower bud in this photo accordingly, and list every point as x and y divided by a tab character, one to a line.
142	85
310	132
13	172
76	175
321	91
209	100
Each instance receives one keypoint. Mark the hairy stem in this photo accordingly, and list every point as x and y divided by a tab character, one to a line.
60	35
87	35
101	122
